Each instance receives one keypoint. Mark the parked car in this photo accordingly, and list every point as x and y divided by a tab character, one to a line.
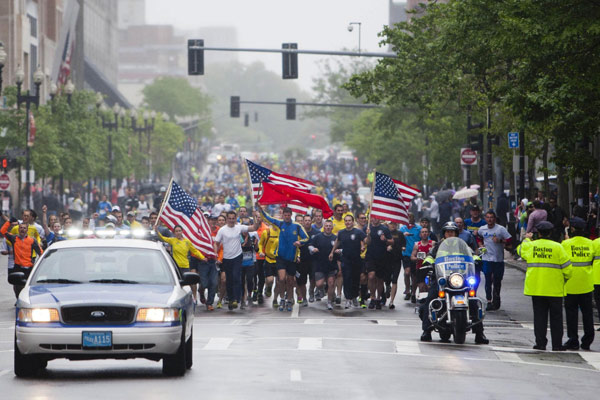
102	298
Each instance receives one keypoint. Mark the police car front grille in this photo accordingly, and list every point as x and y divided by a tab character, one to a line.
98	315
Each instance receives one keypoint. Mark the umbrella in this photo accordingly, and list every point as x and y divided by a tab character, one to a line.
474	186
443	195
465	194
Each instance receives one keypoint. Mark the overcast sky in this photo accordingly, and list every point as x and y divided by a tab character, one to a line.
313	24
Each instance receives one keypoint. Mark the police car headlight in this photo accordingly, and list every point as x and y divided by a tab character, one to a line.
138	233
38	315
73	232
88	232
456	281
157	315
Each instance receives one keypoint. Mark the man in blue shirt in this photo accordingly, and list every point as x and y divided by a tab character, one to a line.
291	236
411	234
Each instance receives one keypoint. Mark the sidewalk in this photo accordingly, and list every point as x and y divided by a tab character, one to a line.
511	262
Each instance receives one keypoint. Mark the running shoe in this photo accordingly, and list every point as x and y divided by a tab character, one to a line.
234	304
372	304
311	298
319	295
355	302
268	291
254	295
388	290
230	306
329	305
305	304
281	305
289	305
378	305
219	304
242	305
202	298
407	296
363	304
413	299
275	303
382	301
209	307
347	304
392	306
261	299
338	301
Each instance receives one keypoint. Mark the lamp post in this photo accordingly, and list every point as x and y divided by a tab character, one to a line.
38	77
69	89
351	28
110	126
2	61
148	128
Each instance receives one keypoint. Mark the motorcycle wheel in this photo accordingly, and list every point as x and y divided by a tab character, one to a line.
459	322
445	335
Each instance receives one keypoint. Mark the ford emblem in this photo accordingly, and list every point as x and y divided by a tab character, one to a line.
97	314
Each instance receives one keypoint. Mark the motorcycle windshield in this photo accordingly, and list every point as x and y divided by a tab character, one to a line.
454	256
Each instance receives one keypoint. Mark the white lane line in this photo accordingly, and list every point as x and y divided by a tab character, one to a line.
242	322
295	375
310	343
527	326
218	344
295	310
314	321
407	347
508	357
592	359
387	322
4	372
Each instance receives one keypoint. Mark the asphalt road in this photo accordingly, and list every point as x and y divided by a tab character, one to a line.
261	353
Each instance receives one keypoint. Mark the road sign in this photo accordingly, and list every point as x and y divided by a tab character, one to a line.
513	140
468	156
4	182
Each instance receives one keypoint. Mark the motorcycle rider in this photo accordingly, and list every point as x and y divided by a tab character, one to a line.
448	230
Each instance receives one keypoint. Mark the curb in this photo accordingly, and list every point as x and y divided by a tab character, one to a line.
510	262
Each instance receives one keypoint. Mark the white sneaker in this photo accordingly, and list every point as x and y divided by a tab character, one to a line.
355	303
347	304
329	305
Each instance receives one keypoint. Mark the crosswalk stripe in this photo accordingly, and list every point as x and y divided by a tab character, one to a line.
242	322
310	343
314	321
218	344
387	322
295	375
592	359
407	347
508	356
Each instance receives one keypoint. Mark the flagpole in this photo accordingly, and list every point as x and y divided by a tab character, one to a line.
372	195
250	183
164	202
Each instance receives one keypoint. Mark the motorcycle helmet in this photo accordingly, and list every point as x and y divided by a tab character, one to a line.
450	226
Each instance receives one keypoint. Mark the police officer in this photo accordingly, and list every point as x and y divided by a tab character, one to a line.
580	287
450	229
548	267
596	274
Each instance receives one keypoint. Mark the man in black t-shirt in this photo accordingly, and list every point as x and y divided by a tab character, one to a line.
350	243
378	238
320	247
306	270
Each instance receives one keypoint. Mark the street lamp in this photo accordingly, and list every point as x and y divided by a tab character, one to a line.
351	28
69	89
53	90
2	61
110	126
147	128
38	77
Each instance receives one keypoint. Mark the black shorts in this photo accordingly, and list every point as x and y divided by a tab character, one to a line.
303	271
379	267
289	266
421	274
269	268
408	263
25	270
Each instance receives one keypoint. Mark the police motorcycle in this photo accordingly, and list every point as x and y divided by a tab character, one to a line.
457	309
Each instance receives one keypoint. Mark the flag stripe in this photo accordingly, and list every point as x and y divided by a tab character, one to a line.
391	199
188	231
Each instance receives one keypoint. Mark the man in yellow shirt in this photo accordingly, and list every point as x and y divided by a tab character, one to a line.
181	247
27	218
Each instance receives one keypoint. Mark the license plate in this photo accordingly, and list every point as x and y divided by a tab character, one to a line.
459	299
96	339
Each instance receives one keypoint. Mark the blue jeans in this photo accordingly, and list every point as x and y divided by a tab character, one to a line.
494	272
208	279
233	274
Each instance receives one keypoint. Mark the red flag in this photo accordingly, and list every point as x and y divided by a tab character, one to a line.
278	194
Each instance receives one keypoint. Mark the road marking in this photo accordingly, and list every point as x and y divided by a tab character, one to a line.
295	310
4	372
310	343
527	326
407	347
295	375
314	321
508	356
387	322
592	359
218	344
242	322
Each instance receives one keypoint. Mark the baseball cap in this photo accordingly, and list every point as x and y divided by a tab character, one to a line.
116	208
475	208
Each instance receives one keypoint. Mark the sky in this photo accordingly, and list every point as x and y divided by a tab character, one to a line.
313	24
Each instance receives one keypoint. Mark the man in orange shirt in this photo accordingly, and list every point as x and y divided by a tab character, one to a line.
23	248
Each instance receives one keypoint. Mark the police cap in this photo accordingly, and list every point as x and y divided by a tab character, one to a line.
578	223
544	226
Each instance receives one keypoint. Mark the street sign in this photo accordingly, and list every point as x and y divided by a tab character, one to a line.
4	182
513	140
468	156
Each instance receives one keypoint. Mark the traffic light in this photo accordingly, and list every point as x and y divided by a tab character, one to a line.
290	61
246	119
476	142
195	57
290	109
234	107
5	163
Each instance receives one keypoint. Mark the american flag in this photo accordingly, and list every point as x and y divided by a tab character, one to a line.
259	174
391	199
182	209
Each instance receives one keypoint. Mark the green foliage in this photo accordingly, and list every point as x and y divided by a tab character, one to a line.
176	97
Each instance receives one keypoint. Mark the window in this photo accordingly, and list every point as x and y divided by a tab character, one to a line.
32	26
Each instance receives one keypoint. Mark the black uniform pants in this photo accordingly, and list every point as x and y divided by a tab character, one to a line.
542	306
574	303
597	298
351	275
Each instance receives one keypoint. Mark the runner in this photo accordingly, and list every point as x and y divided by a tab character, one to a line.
326	267
350	243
